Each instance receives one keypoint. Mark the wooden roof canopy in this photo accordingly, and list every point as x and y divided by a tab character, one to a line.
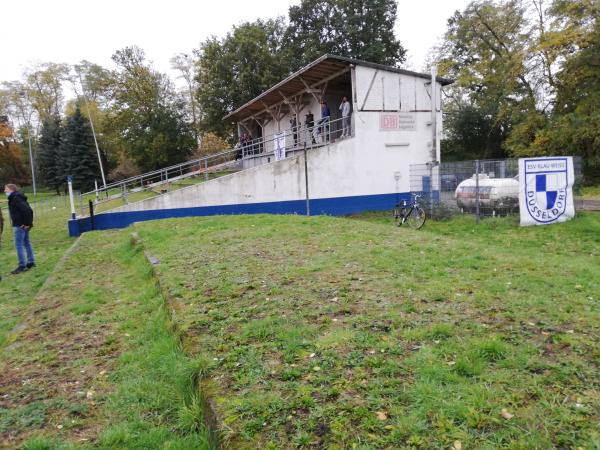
322	70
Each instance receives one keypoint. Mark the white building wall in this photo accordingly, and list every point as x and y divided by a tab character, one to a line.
392	91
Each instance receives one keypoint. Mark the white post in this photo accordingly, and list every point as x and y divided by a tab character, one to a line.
72	200
433	113
87	105
96	188
31	159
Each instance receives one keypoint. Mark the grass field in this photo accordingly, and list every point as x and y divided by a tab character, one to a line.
338	333
295	332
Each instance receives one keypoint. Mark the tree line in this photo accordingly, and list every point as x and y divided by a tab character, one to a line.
527	80
527	83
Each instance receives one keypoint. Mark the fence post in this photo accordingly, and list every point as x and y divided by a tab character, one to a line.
81	203
71	199
477	190
92	223
431	189
306	181
206	169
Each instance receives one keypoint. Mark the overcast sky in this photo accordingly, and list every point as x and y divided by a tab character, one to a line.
71	30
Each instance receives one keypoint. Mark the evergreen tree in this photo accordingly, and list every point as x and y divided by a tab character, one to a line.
49	163
77	152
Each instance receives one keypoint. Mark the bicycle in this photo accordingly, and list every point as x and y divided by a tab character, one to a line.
410	212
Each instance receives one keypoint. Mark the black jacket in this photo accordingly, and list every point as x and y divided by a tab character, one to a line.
20	211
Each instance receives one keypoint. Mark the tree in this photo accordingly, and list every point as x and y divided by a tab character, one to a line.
147	113
12	167
354	28
77	152
489	51
210	145
49	164
93	81
186	66
471	133
573	127
44	88
237	68
527	80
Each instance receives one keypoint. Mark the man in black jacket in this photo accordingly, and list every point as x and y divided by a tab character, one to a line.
21	216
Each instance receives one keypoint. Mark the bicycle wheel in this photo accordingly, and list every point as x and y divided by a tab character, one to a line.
397	217
416	218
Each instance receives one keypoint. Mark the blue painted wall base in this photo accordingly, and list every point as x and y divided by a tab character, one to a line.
335	206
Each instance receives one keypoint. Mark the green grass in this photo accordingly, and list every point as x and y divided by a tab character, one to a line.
346	333
49	238
591	192
103	366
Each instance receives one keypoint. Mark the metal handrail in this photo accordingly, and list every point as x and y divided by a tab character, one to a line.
294	139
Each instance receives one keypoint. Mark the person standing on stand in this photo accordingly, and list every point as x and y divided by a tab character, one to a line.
21	216
345	109
323	125
310	123
294	127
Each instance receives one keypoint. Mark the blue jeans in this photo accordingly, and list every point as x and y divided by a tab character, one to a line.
323	127
23	246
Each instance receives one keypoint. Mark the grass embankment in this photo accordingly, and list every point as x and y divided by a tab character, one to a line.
337	333
97	364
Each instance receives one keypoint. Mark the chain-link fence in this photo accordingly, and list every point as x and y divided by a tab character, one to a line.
43	203
479	187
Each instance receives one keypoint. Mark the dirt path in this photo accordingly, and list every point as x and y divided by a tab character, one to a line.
54	374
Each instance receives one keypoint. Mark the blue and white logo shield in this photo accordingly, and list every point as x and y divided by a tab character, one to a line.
546	187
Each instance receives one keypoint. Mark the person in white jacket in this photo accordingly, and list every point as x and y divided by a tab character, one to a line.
345	109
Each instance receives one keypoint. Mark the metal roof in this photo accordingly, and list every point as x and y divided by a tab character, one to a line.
326	66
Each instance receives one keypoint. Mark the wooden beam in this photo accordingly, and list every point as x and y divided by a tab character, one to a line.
308	89
369	90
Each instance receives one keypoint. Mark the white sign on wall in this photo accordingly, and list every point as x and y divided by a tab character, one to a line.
546	190
279	149
397	122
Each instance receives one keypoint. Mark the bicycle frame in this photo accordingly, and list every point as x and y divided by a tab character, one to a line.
405	210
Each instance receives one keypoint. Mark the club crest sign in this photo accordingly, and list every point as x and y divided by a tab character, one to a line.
546	190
